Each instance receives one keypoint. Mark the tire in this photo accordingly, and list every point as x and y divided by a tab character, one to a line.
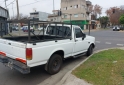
55	64
90	50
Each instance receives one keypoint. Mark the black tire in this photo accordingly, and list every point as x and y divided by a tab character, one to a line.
55	64
90	50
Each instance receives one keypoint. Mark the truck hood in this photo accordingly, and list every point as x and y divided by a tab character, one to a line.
90	38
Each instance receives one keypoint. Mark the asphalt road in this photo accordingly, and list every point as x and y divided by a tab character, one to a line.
38	76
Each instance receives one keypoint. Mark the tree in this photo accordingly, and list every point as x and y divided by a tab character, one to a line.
114	14
104	21
21	17
121	19
95	10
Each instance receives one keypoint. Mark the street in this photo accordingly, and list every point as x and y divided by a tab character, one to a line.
38	76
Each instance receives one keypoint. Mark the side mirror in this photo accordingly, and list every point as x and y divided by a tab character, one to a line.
84	36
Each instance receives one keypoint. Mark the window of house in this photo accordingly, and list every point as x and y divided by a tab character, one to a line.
75	6
83	15
75	15
70	7
51	19
65	16
83	6
65	8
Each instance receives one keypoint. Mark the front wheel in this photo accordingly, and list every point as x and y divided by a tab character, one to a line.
55	64
90	50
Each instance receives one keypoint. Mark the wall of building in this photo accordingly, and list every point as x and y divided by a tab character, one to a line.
55	19
41	16
3	13
75	8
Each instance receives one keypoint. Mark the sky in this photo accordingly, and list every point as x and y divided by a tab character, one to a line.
27	6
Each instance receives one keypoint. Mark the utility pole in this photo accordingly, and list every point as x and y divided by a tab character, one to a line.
18	16
70	17
53	5
5	4
13	10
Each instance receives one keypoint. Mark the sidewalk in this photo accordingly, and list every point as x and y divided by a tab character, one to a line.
70	79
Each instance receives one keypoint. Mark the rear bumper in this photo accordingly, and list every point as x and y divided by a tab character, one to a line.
16	65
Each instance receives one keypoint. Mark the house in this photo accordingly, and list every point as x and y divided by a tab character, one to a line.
55	16
76	12
38	16
4	15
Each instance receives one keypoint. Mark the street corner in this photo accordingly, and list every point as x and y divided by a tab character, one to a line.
73	80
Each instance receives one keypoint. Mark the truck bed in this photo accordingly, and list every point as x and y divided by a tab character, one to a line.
40	38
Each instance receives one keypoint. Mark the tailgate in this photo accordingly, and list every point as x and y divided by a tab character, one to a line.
12	49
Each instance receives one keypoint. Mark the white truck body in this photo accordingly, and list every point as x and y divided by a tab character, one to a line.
14	51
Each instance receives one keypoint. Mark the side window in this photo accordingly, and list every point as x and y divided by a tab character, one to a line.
68	32
78	33
51	30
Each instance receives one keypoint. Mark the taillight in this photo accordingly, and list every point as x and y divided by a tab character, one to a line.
29	53
2	53
21	60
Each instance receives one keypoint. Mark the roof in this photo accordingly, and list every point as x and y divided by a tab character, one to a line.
39	12
55	10
3	8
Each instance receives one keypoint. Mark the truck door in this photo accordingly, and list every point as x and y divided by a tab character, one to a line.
80	43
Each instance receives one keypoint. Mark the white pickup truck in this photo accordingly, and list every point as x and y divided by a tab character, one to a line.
58	43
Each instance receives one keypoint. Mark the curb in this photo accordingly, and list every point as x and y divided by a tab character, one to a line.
63	80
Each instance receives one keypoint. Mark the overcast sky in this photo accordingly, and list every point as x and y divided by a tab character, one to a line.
27	6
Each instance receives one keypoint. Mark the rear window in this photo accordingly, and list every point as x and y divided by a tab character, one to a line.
62	31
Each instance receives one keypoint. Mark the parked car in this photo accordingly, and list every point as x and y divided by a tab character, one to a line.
15	28
58	43
41	28
121	27
116	28
25	29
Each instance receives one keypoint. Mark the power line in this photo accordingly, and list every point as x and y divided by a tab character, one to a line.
10	3
27	4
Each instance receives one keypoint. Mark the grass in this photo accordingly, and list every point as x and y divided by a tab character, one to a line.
104	68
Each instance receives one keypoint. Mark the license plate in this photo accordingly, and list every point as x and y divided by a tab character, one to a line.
9	64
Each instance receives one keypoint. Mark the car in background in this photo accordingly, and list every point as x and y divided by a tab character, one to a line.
116	28
121	27
41	28
25	29
15	28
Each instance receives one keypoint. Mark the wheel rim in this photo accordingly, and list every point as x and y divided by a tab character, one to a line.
56	64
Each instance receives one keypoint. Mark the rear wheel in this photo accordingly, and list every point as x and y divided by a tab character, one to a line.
90	50
54	64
